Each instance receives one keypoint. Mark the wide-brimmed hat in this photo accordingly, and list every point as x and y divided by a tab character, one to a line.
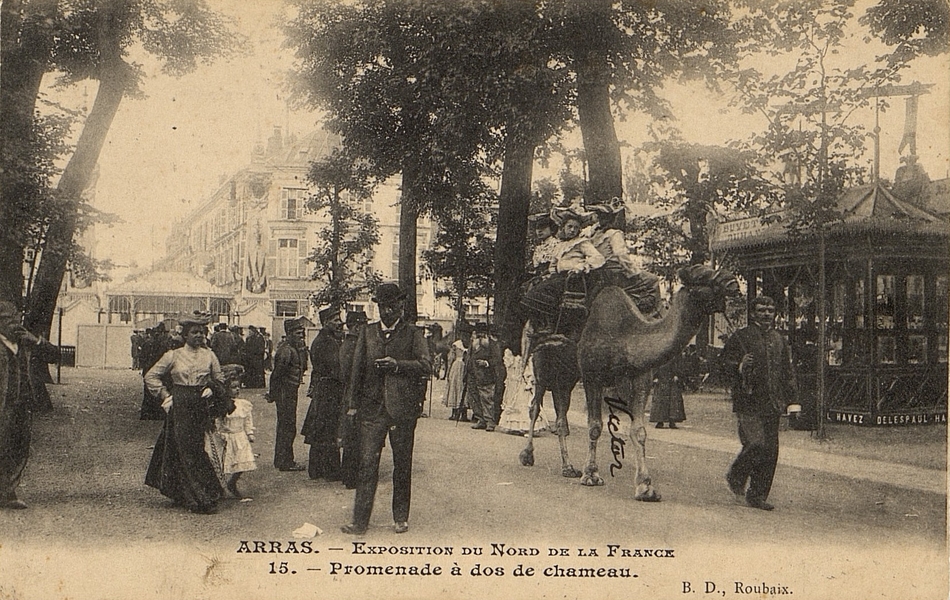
355	317
196	318
482	327
387	293
464	327
560	215
539	220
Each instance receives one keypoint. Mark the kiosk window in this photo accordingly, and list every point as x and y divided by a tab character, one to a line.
886	350
942	348
858	308
916	349
941	301
884	301
915	302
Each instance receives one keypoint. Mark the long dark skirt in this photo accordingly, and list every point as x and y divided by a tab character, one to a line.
320	429
180	468
254	374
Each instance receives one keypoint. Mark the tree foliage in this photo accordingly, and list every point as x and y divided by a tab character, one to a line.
911	27
811	144
462	253
344	252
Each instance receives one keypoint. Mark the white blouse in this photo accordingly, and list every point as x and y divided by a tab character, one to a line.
187	366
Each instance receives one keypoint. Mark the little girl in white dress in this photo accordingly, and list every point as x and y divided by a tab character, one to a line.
229	446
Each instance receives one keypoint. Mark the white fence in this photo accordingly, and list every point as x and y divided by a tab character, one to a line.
104	346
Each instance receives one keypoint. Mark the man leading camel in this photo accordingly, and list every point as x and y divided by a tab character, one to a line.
758	362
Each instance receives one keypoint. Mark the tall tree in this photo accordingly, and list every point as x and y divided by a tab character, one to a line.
343	255
812	143
90	41
26	40
622	52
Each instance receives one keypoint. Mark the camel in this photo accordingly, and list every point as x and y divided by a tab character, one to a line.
614	356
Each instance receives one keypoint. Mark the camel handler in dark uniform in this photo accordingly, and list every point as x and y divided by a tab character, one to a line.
326	398
758	362
285	381
385	392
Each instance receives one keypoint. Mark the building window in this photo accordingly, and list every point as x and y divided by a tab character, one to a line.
287	258
285	308
394	263
291	203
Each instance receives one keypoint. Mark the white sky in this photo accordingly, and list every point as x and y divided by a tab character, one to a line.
169	151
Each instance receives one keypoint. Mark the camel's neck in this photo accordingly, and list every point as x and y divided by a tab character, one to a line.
673	332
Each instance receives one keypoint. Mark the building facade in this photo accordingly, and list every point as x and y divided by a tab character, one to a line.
254	234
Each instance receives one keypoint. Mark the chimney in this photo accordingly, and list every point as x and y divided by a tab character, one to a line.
274	142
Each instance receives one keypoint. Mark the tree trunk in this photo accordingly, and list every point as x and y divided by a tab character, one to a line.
592	20
510	241
408	225
75	179
25	42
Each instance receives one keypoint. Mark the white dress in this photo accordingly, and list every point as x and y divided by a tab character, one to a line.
229	447
519	390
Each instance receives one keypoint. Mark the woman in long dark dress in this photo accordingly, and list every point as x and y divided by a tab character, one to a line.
667	403
180	468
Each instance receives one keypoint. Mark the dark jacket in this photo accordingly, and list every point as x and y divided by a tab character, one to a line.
288	367
769	387
494	373
400	393
223	344
254	350
325	359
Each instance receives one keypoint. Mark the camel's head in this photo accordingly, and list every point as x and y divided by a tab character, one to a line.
710	287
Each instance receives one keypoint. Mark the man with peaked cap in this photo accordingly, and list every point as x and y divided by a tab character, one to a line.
326	398
348	431
17	348
285	382
385	392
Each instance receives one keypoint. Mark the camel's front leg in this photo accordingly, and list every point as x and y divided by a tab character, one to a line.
635	393
562	404
595	426
527	455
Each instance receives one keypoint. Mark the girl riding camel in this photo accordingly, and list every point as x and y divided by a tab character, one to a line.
572	258
619	268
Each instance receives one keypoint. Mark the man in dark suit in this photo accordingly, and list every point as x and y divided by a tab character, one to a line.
254	359
758	362
18	347
485	379
284	384
385	392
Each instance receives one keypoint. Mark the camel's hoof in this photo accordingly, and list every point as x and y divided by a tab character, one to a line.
527	458
649	496
570	471
592	480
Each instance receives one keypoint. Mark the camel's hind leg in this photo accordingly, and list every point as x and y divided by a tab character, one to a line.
595	426
562	403
634	392
527	455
